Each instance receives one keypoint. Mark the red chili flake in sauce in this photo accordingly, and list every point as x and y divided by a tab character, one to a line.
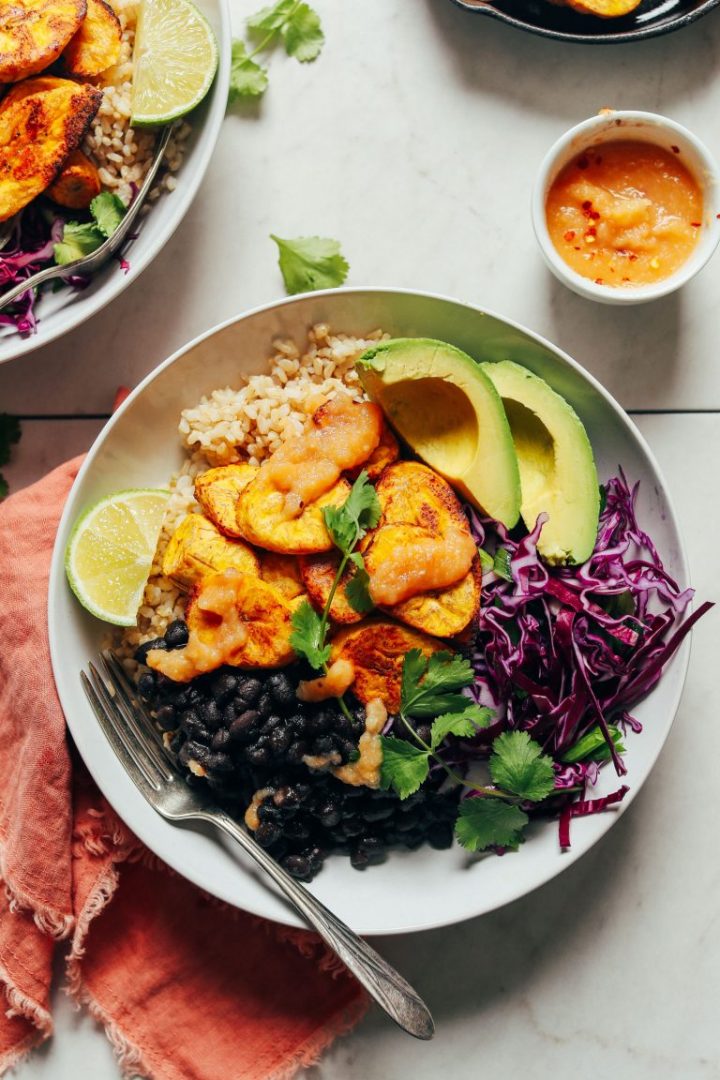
569	235
577	247
592	231
598	281
626	279
595	215
587	205
583	162
632	256
696	224
675	149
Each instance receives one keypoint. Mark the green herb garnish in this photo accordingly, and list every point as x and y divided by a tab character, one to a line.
292	22
310	263
78	240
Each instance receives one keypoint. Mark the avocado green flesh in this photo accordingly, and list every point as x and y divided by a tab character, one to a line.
557	470
440	402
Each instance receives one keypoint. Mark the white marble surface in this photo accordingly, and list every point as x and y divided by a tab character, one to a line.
414	140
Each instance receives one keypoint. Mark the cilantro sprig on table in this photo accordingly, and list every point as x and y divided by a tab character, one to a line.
292	22
347	525
9	435
492	817
309	263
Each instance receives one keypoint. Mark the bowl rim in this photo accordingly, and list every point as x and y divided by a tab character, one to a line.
609	123
66	319
57	582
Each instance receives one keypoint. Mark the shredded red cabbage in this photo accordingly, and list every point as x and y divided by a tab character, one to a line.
561	651
28	250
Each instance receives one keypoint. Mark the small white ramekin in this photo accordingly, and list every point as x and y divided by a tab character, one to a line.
643	127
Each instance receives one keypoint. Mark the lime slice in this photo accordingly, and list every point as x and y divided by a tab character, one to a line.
110	553
175	59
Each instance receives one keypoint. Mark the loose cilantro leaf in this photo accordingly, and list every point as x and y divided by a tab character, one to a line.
77	240
9	435
248	79
108	210
357	589
271	18
361	511
486	560
302	34
501	564
487	822
518	765
308	635
429	684
593	747
463	724
310	263
404	766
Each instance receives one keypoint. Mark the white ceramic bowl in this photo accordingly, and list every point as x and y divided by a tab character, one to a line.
59	312
642	127
139	447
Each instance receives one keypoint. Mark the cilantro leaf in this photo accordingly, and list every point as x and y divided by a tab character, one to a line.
487	822
404	766
501	564
463	724
303	35
77	240
361	511
518	765
311	262
593	747
429	685
108	210
357	589
307	637
248	79
271	18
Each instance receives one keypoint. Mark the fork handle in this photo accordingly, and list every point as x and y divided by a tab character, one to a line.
395	996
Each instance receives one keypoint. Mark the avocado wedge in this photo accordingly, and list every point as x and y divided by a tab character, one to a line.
446	409
557	469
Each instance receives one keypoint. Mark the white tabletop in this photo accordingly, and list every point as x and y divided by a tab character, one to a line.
414	140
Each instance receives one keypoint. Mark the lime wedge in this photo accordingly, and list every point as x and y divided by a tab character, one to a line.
174	62
110	553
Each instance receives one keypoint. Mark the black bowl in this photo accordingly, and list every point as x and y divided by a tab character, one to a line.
541	17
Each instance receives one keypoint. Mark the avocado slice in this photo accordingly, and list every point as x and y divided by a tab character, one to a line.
557	468
446	409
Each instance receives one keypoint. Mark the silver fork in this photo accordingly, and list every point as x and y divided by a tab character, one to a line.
132	735
92	262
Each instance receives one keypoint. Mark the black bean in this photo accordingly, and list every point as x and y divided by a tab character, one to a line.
280	741
142	650
297	751
258	755
320	722
323	745
286	798
221	739
271	723
348	749
166	717
176	742
352	827
378	812
329	814
220	762
210	714
440	836
193	751
193	726
424	732
267	812
282	690
242	726
249	689
223	687
267	833
298	866
264	703
297	724
176	635
372	849
296	830
146	685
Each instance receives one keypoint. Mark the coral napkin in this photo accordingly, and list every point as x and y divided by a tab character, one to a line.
187	988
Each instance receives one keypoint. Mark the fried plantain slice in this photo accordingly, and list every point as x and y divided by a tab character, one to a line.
41	122
197	549
218	491
445	612
412	494
33	33
232	618
604	9
318	573
95	46
78	183
283	573
377	649
261	519
385	453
